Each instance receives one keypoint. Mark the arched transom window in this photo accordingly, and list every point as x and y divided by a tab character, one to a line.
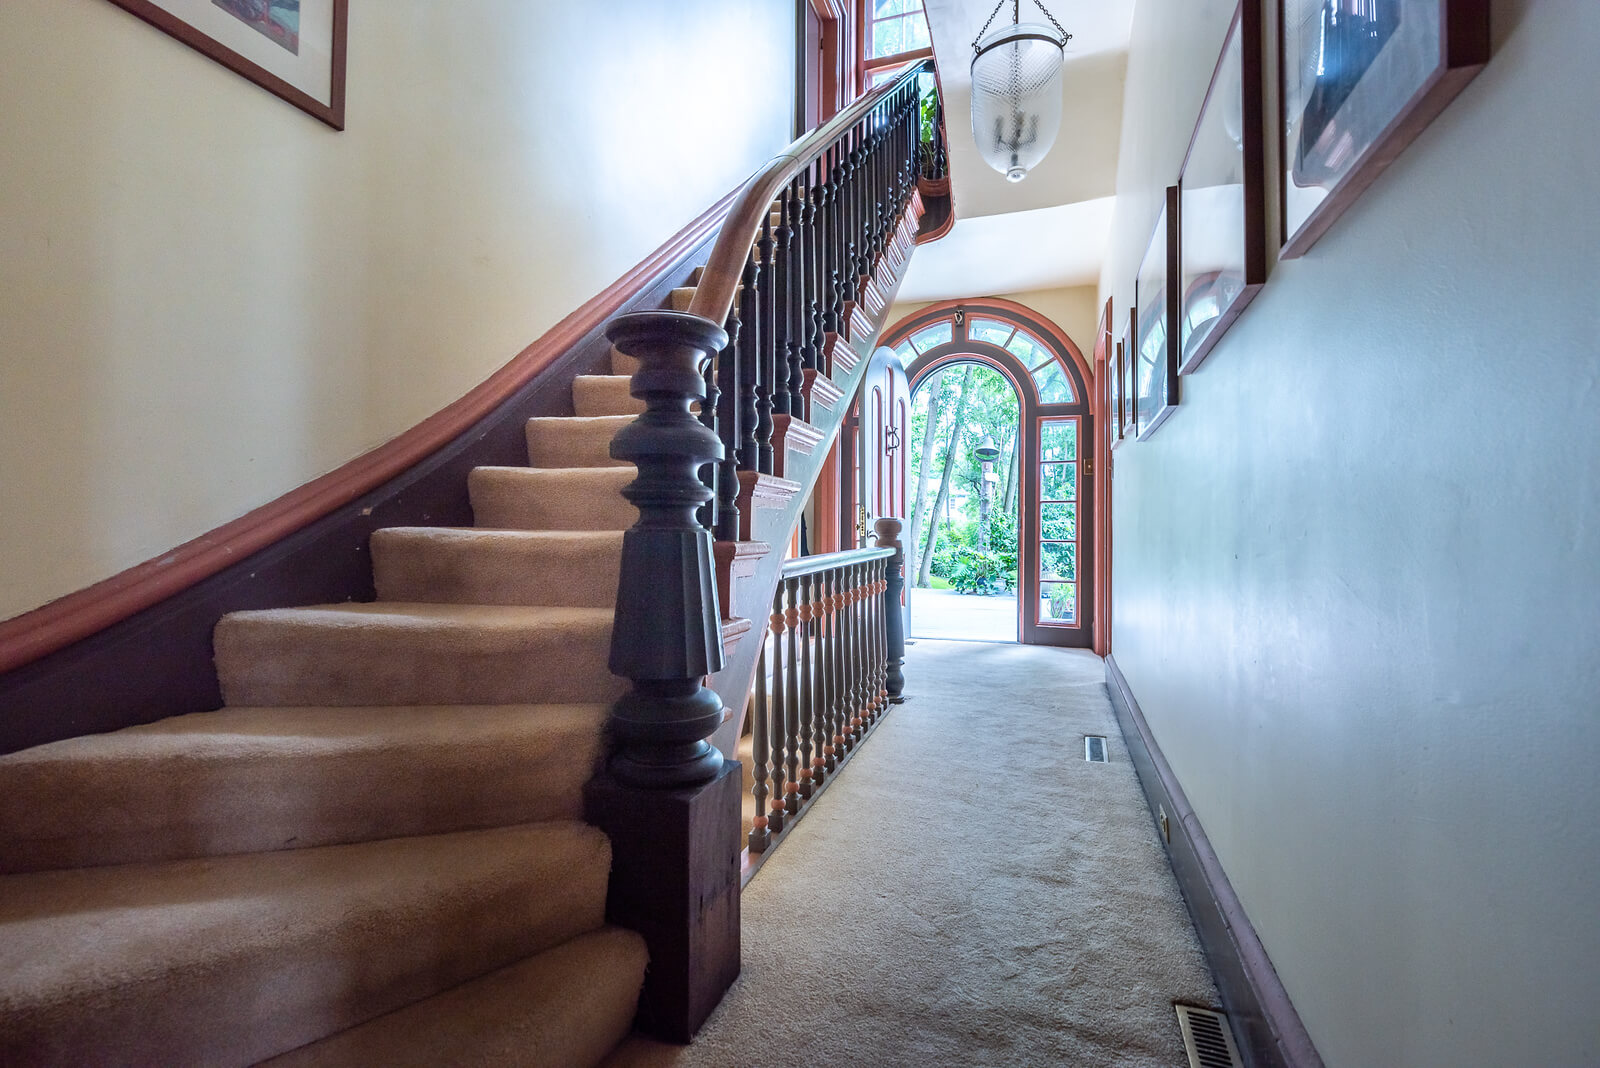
1047	369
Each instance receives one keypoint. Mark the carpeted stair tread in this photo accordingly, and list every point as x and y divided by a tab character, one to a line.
574	441
568	1006
530	498
415	654
596	395
247	780
470	565
231	960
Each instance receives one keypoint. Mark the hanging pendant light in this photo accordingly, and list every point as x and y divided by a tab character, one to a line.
1016	90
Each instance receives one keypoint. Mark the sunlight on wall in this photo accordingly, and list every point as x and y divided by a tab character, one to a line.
208	298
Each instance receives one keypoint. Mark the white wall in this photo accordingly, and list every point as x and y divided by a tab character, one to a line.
208	298
1357	574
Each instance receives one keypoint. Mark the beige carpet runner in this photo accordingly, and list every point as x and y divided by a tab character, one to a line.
373	855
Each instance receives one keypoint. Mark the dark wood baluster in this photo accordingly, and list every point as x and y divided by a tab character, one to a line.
725	405
869	599
805	257
779	712
880	611
817	324
847	680
791	698
749	451
819	684
789	286
808	696
830	663
863	643
760	835
707	513
770	284
850	213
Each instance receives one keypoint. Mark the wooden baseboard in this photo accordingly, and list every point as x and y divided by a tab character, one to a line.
1266	1026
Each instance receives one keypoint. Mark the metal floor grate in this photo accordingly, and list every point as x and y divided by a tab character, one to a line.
1094	748
1206	1038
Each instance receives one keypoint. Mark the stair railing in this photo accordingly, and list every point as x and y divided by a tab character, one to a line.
835	654
792	259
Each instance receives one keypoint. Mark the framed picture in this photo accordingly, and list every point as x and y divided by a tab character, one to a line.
293	48
1155	346
1115	401
1130	422
1222	242
1361	79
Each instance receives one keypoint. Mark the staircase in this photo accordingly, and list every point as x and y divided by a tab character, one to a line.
375	852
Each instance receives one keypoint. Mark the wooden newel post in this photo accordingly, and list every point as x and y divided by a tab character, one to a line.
667	799
887	532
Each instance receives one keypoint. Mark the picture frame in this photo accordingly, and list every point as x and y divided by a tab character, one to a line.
1222	238
1130	423
1114	399
1155	346
294	49
1360	79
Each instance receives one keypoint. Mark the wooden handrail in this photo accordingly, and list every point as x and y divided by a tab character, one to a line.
810	565
719	282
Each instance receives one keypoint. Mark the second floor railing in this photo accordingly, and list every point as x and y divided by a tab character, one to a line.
827	673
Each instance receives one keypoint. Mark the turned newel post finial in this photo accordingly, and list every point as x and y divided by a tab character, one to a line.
887	533
668	635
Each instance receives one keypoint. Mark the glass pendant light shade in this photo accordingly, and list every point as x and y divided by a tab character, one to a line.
1016	96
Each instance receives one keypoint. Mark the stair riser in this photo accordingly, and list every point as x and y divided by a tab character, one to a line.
594	395
567	442
261	663
569	1006
235	981
216	795
496	570
521	499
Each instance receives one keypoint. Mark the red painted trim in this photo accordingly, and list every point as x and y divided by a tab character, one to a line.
26	638
1105	371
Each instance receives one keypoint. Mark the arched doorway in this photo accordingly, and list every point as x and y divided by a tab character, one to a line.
1055	550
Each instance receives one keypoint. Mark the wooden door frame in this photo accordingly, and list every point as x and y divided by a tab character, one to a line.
1086	407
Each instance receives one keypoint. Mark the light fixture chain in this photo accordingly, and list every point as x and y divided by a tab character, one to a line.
998	5
1065	36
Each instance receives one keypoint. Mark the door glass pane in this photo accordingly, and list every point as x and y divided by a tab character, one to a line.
995	333
1058	482
1058	440
1058	560
1052	384
1059	521
1058	602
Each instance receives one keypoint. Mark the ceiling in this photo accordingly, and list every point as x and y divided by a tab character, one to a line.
1013	253
1051	228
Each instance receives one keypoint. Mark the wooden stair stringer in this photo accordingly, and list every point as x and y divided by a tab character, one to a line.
773	522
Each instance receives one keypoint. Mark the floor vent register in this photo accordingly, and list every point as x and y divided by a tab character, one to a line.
1207	1038
1094	748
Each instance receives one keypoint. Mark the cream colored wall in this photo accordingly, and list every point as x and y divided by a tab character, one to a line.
1356	573
208	298
1075	309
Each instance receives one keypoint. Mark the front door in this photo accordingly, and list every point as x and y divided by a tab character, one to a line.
1057	587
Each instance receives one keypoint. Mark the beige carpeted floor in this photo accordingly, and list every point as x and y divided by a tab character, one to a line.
969	892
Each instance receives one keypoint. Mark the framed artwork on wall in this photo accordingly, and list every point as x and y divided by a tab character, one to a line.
1115	401
1361	79
1155	345
1222	241
292	48
1130	423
